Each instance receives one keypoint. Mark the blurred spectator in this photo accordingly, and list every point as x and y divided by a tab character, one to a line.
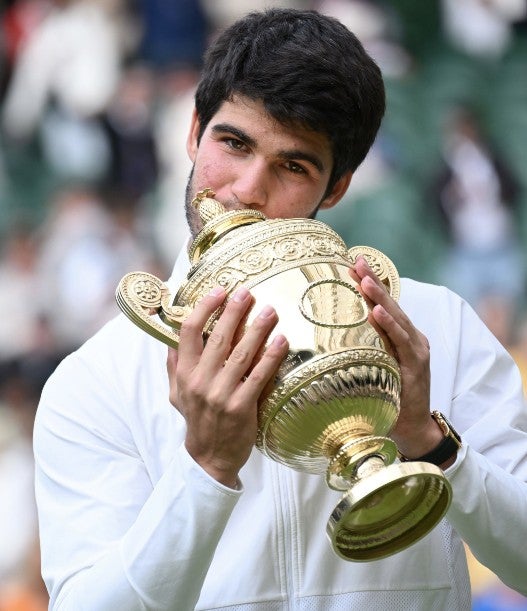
481	28
18	526
17	514
376	27
17	24
478	197
86	249
27	593
148	142
65	75
72	58
223	13
174	33
19	299
28	350
175	107
21	586
129	125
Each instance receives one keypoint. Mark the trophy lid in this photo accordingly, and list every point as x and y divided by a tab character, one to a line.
217	222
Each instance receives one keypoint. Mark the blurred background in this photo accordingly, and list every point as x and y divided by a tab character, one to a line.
95	100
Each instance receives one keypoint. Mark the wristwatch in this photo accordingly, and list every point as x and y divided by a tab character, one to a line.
447	448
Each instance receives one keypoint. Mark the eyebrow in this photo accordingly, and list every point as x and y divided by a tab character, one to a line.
288	155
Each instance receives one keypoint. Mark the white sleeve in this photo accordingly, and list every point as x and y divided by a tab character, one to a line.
110	538
488	511
489	506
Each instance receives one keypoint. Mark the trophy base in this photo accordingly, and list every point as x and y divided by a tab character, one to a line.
388	511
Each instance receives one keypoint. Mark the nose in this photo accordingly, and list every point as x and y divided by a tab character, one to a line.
250	188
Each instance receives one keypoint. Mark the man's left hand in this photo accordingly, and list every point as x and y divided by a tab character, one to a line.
415	432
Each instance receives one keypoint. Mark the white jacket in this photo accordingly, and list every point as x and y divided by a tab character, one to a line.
128	521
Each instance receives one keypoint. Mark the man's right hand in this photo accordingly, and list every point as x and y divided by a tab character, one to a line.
216	386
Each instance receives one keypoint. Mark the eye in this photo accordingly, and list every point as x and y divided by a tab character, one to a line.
234	144
295	168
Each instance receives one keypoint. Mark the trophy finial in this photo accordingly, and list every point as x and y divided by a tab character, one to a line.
217	221
208	207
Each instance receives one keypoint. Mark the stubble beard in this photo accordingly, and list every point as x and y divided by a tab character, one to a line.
192	215
194	221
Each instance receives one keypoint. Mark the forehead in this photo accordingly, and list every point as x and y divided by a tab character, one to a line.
251	117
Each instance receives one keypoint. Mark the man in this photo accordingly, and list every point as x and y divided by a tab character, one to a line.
143	506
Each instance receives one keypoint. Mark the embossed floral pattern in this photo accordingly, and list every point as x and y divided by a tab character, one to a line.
289	249
147	292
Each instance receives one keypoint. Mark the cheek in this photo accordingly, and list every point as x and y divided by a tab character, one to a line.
303	201
211	171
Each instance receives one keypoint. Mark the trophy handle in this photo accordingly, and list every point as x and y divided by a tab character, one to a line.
381	265
140	296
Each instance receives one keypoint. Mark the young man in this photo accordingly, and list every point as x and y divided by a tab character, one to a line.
150	492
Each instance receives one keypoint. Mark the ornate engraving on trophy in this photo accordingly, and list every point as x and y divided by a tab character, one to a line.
324	302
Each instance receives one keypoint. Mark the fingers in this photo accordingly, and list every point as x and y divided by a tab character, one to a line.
375	295
375	292
253	363
221	340
359	272
229	355
407	344
386	316
191	332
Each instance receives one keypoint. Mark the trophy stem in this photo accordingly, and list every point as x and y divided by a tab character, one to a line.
369	466
359	458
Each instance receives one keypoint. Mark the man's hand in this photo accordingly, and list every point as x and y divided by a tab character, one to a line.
217	385
415	433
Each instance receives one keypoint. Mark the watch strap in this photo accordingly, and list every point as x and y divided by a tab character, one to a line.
446	448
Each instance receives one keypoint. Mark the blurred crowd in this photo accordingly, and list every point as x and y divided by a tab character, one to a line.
95	99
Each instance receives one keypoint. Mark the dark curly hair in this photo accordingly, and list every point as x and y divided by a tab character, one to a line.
307	69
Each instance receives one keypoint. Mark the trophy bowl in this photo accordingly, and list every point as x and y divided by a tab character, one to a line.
336	394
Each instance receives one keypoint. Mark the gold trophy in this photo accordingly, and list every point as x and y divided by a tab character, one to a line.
336	395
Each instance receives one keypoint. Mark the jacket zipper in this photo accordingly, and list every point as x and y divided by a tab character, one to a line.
287	532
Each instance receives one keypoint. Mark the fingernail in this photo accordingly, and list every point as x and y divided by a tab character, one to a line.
279	341
240	295
266	312
217	291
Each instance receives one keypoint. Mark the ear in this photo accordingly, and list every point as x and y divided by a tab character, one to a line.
338	191
192	138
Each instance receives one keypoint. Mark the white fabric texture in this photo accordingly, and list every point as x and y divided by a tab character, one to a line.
129	521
